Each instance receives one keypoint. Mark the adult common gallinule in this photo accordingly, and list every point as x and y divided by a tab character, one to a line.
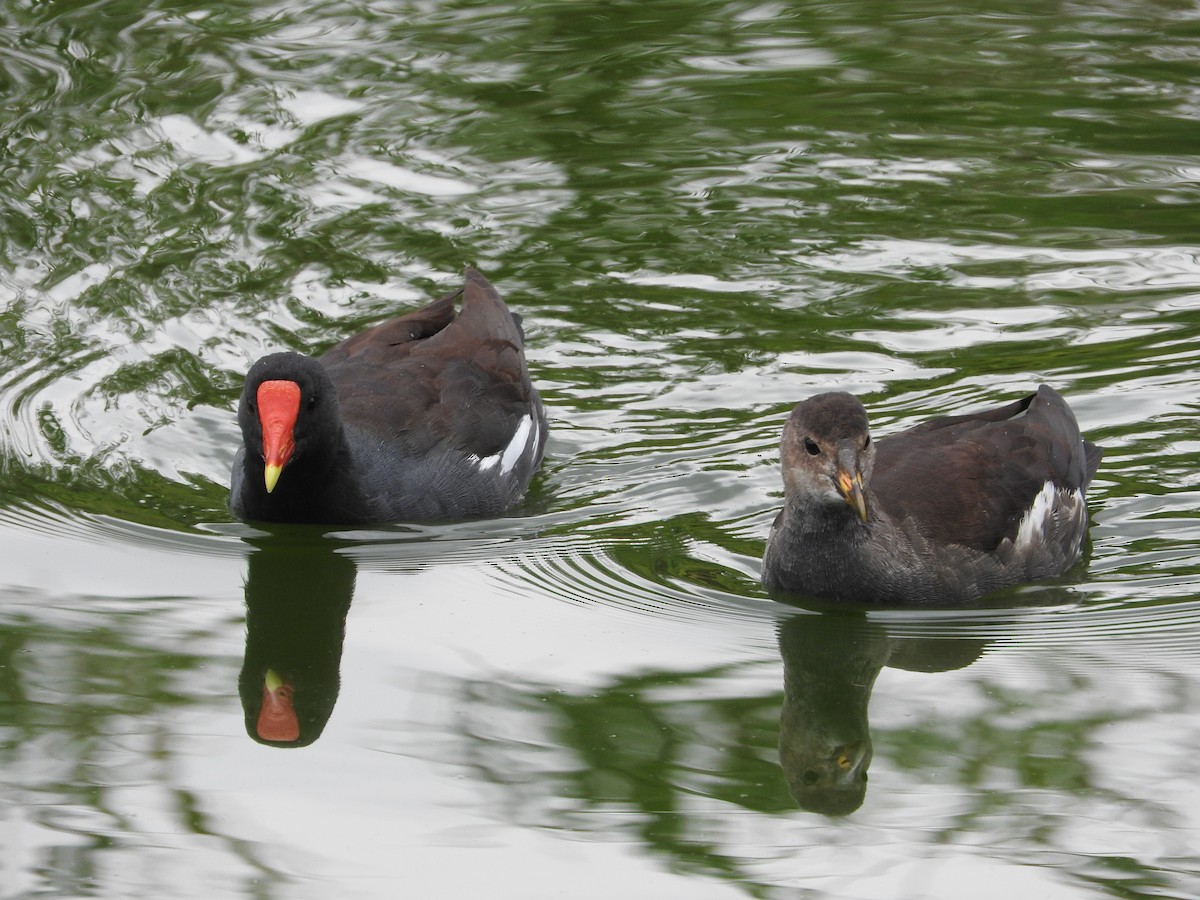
940	514
426	417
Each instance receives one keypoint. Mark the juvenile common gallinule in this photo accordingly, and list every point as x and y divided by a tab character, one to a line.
426	417
940	514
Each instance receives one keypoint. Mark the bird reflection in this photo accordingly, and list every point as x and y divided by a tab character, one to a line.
298	592
830	662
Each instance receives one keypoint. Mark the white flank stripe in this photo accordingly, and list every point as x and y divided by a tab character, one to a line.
516	447
1033	525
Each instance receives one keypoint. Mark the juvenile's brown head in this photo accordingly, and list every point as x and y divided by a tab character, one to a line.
827	454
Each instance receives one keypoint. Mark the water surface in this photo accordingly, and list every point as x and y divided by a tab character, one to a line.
705	211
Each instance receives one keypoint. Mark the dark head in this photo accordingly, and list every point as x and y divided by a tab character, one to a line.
827	454
288	414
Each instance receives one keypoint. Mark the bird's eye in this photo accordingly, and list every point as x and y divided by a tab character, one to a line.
811	447
312	402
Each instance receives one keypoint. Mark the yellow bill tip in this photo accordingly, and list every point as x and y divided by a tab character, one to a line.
851	488
271	474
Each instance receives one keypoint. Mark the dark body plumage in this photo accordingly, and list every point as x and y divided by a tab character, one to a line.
940	514
427	417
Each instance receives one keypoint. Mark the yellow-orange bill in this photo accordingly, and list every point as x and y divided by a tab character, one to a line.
850	487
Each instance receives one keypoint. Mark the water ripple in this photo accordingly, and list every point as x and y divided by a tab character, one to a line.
681	290
590	575
1168	630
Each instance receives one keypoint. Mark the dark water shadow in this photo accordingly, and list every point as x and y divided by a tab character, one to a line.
298	592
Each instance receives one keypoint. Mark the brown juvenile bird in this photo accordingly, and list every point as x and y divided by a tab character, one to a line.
940	514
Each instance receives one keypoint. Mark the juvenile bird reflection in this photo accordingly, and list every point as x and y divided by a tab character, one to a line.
830	663
298	592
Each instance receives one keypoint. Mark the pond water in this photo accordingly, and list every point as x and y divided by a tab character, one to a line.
706	211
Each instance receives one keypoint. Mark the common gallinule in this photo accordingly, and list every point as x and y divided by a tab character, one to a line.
427	417
940	514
